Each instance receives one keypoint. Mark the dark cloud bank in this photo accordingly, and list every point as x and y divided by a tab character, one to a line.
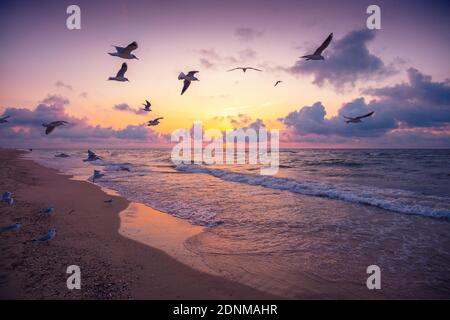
25	128
415	113
347	60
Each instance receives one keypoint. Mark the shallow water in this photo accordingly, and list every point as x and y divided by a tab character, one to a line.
309	231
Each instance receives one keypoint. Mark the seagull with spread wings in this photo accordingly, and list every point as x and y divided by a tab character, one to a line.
317	55
4	119
244	69
125	53
52	125
358	119
121	74
154	122
188	78
147	106
278	82
92	156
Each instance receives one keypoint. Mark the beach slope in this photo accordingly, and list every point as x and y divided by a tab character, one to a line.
112	266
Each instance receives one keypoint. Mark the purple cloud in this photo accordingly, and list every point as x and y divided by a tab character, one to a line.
60	84
247	34
347	61
210	59
25	128
125	107
420	88
418	106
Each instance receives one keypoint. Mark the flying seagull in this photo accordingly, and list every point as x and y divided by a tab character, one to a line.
244	69
47	237
10	227
4	119
92	156
154	122
108	201
317	55
125	53
121	74
147	106
358	119
190	76
52	125
276	83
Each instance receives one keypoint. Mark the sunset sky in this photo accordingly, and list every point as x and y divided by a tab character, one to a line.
401	71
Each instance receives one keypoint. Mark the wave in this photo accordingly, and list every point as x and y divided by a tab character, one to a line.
395	200
333	162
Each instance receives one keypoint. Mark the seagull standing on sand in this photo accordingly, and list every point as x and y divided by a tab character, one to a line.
244	69
4	119
276	83
7	198
52	125
47	211
10	227
358	119
47	237
190	76
120	76
317	55
125	53
154	122
147	106
97	175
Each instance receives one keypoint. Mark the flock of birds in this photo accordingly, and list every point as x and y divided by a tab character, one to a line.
50	235
7	198
188	78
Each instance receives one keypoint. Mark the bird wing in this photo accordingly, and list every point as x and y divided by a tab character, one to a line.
192	73
122	70
4	117
160	118
276	83
49	129
119	49
186	84
366	115
324	45
132	46
234	69
58	123
148	103
253	69
349	118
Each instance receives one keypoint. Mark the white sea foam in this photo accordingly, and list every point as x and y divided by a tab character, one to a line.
401	201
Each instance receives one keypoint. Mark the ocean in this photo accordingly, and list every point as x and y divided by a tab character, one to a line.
310	231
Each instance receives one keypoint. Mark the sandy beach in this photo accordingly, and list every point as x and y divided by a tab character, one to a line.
112	266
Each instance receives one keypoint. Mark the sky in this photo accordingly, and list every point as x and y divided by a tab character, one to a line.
401	72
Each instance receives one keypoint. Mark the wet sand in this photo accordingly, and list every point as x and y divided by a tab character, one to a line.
112	265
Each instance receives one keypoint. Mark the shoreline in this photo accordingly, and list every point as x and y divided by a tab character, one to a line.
113	265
